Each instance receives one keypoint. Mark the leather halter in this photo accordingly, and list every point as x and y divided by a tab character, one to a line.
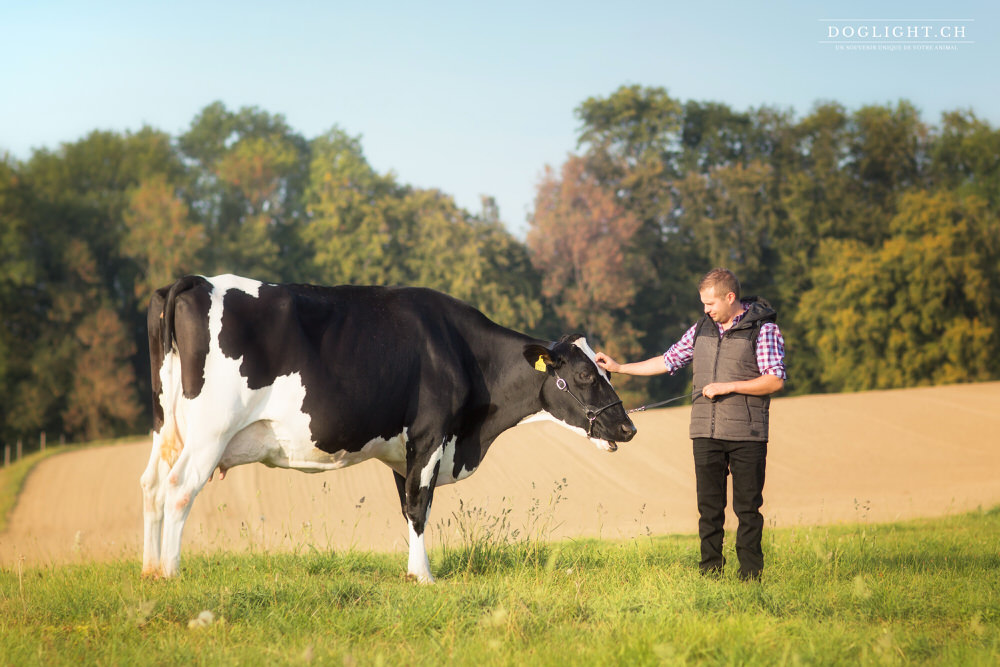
590	412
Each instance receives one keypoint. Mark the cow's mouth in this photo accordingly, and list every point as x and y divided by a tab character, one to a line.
606	445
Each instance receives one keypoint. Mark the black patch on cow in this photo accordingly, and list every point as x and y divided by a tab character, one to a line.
178	316
192	335
372	360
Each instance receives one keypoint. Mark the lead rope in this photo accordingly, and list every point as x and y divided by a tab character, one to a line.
642	408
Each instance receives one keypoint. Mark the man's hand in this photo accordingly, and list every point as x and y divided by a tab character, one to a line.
765	385
717	389
607	363
654	366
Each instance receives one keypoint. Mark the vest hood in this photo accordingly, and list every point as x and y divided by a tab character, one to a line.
758	310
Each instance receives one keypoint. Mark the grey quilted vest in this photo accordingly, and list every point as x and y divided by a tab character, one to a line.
730	357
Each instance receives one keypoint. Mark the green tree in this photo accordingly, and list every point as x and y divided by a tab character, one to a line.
18	280
631	126
251	172
84	282
816	198
364	228
887	155
728	214
920	308
82	381
351	234
713	135
965	154
508	289
475	260
161	238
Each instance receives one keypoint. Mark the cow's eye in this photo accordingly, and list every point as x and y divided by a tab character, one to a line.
586	377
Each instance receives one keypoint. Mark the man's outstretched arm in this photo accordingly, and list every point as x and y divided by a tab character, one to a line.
653	366
765	385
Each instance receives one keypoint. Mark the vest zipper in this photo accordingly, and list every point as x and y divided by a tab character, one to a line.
715	374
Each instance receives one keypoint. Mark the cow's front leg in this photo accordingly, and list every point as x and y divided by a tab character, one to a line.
415	494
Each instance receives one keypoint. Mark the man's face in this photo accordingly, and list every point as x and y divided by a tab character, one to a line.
720	308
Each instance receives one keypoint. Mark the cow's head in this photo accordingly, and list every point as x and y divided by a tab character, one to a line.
578	393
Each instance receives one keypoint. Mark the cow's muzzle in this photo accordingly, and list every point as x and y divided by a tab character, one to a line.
592	414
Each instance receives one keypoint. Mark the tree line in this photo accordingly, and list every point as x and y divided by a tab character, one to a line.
875	235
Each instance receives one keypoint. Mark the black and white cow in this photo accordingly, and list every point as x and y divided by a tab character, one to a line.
319	378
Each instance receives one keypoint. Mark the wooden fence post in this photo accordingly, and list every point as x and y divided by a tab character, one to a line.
6	455
41	444
19	448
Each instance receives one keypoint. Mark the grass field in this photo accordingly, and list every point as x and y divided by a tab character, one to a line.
920	592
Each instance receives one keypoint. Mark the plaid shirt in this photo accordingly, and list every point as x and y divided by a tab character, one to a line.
770	349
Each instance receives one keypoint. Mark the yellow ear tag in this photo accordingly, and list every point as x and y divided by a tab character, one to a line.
540	364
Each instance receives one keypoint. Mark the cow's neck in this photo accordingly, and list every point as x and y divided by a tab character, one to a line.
514	386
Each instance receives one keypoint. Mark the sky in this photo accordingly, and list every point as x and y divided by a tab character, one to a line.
473	98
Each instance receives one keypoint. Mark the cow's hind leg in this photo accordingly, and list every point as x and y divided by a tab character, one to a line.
153	489
186	478
416	492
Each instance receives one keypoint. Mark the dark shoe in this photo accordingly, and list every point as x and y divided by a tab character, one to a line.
750	576
712	572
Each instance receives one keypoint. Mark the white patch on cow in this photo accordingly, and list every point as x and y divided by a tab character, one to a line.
545	415
427	472
245	424
228	281
446	474
262	442
582	344
418	564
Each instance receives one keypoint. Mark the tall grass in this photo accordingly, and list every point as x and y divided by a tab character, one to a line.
921	592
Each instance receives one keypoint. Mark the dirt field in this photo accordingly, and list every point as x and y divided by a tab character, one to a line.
876	456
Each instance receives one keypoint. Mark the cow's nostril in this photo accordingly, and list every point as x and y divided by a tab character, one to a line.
628	429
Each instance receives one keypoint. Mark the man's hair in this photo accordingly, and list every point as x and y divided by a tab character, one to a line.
723	281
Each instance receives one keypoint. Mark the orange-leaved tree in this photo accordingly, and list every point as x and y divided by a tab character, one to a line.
581	240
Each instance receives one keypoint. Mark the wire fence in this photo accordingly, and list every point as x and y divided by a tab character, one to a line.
14	453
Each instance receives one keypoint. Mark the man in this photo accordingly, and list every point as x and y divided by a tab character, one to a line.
738	357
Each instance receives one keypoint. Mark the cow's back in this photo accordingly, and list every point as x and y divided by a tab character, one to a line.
378	359
371	360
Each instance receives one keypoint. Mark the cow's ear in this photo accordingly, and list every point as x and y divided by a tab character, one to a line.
539	357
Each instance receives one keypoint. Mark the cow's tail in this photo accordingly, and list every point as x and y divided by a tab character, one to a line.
167	323
172	442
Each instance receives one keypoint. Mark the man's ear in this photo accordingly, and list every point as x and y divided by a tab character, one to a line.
539	357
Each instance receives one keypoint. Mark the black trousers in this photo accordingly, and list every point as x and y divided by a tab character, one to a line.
713	461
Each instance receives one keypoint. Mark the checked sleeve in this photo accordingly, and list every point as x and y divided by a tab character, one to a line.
771	351
680	353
